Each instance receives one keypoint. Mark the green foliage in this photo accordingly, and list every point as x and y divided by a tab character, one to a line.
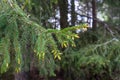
38	10
113	3
21	38
100	60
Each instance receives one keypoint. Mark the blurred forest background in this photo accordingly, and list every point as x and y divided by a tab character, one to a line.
59	39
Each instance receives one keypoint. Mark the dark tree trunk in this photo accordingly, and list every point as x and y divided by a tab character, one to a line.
94	24
88	11
63	6
87	5
73	14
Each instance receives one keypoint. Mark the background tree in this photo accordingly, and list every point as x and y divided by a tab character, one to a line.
63	6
